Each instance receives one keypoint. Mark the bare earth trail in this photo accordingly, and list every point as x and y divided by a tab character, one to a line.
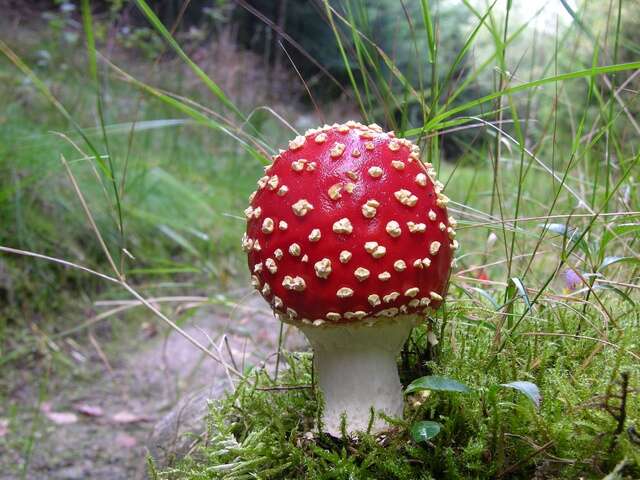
143	386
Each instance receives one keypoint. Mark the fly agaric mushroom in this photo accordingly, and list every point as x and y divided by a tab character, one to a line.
348	238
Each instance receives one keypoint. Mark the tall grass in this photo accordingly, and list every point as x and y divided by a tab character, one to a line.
545	190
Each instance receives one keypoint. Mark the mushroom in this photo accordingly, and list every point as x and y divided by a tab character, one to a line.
348	238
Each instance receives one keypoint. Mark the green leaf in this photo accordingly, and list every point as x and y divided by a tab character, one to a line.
516	283
529	389
425	430
437	383
589	72
618	231
613	260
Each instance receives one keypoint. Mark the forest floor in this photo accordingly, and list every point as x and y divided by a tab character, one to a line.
101	428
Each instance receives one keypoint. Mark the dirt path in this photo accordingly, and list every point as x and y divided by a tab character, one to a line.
141	388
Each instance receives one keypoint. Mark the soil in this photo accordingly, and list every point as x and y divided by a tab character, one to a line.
134	391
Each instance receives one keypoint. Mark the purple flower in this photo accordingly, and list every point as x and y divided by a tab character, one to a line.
571	279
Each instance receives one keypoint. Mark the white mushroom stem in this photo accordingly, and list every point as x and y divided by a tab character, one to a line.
356	370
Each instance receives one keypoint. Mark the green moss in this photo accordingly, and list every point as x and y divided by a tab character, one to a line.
488	433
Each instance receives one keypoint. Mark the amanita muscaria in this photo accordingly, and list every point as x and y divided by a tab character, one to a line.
348	238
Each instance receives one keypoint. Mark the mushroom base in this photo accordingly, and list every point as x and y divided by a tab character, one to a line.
356	370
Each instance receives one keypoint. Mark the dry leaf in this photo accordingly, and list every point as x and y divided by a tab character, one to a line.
128	417
88	410
62	418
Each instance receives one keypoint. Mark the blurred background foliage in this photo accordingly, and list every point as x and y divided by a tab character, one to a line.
183	188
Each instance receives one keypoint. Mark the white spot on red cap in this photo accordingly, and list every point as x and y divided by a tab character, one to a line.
343	226
294	249
432	215
405	197
321	138
295	284
370	208
271	265
267	225
282	191
411	292
384	276
399	266
337	150
416	227
435	296
297	142
397	164
323	268
421	179
315	235
392	297
393	228
334	191
345	256
344	292
361	274
301	207
374	300
272	183
282	225
375	172
434	248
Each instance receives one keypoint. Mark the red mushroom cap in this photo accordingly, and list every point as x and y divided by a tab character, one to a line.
348	224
